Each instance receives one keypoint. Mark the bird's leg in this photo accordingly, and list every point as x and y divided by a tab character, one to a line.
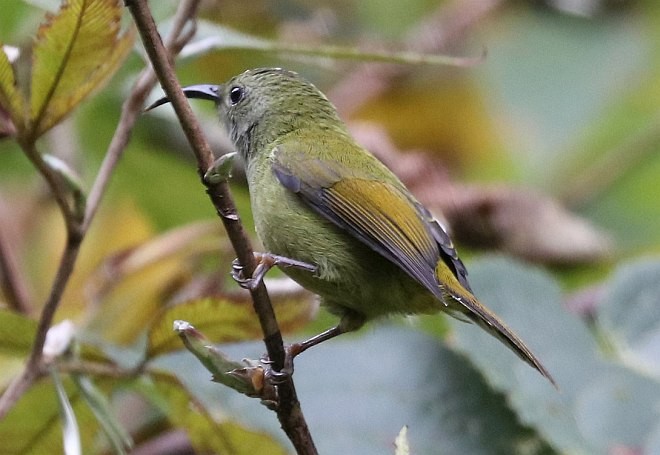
292	350
265	262
350	321
298	348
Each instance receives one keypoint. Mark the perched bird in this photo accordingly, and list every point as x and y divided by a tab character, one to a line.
318	198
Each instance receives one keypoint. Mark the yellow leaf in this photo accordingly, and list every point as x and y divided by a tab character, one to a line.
225	319
135	300
133	283
11	99
222	319
33	426
118	225
16	333
76	51
206	434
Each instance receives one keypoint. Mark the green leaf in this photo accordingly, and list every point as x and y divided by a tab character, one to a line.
358	391
207	435
600	405
76	52
653	443
16	333
529	302
98	403
618	410
224	319
630	314
221	169
11	99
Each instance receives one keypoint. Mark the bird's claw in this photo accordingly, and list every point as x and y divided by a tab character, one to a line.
273	379
283	375
237	274
265	262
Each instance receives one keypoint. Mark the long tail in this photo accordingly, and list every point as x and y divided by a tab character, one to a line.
487	320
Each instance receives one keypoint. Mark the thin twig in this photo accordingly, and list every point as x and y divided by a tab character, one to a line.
289	412
170	442
38	369
77	228
604	172
55	183
74	238
31	371
97	369
132	108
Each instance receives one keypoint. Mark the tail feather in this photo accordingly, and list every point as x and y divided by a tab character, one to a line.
468	306
488	321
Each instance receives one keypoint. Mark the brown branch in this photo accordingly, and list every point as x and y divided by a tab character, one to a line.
171	442
74	238
289	412
96	369
76	227
56	184
132	108
31	371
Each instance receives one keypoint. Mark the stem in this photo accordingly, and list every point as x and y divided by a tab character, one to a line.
604	172
289	412
76	228
132	108
54	181
74	238
96	369
32	369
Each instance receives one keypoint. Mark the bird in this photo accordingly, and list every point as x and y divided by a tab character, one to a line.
334	217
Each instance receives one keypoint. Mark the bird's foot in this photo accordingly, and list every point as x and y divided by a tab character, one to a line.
265	262
283	375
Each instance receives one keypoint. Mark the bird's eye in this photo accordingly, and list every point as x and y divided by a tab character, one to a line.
236	95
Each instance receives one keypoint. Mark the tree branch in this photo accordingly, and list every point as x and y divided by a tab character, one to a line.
289	412
56	184
76	227
31	371
75	235
132	108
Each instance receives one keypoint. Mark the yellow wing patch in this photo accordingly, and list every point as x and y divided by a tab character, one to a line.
386	220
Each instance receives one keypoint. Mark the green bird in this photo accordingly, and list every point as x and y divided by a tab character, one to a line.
319	198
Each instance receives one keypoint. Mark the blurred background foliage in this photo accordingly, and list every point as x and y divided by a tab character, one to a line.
544	158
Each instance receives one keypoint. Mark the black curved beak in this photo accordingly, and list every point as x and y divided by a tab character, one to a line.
201	91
